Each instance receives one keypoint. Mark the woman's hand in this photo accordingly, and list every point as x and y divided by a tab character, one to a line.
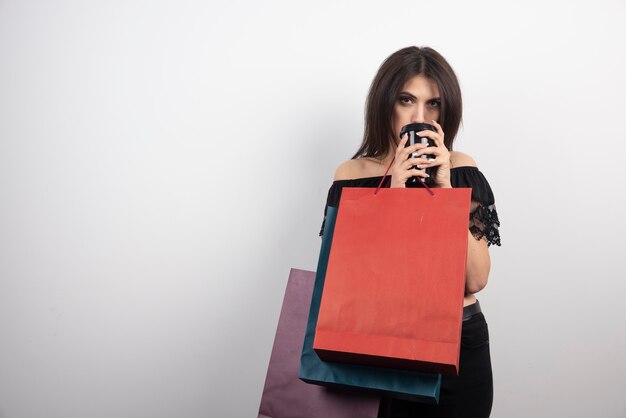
402	168
441	153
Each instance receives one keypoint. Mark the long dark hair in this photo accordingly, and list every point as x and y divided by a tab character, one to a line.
394	72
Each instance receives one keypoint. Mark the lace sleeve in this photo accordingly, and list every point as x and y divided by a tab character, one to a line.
484	222
483	217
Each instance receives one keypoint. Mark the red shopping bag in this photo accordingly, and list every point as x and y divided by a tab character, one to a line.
395	282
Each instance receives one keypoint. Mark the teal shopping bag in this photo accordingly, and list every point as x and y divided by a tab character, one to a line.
422	387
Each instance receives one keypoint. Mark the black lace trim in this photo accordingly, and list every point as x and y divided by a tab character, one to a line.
485	223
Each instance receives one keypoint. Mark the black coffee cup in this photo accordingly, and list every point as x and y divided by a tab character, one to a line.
412	129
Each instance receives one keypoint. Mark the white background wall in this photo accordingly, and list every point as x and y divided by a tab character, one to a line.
164	164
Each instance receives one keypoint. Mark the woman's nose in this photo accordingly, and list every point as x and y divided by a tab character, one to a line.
418	115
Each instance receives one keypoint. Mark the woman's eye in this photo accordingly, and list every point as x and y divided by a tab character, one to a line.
435	103
405	100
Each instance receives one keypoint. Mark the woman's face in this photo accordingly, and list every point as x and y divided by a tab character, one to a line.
418	102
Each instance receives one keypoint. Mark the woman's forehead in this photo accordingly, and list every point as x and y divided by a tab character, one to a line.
422	85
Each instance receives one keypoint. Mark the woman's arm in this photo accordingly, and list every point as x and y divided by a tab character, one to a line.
478	264
478	260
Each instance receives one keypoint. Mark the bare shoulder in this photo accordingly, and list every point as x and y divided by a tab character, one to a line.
360	168
348	170
460	159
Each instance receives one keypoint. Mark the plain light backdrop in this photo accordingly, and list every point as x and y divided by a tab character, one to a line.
164	164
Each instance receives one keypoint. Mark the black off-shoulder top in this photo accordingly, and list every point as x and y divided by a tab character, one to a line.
483	220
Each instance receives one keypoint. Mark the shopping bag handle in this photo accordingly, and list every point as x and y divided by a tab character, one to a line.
385	175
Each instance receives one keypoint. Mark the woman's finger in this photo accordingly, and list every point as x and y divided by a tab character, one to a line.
419	173
437	126
429	150
425	162
402	143
408	152
412	162
435	136
430	134
439	129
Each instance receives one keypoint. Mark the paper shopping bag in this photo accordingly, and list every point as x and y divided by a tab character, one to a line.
416	386
284	395
395	281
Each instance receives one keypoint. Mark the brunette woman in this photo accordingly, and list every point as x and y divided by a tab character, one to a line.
417	85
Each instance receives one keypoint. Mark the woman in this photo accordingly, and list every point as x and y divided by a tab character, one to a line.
417	85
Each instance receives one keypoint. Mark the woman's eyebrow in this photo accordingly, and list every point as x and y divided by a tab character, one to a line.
415	98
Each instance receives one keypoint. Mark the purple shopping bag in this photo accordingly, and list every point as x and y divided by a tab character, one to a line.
286	396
